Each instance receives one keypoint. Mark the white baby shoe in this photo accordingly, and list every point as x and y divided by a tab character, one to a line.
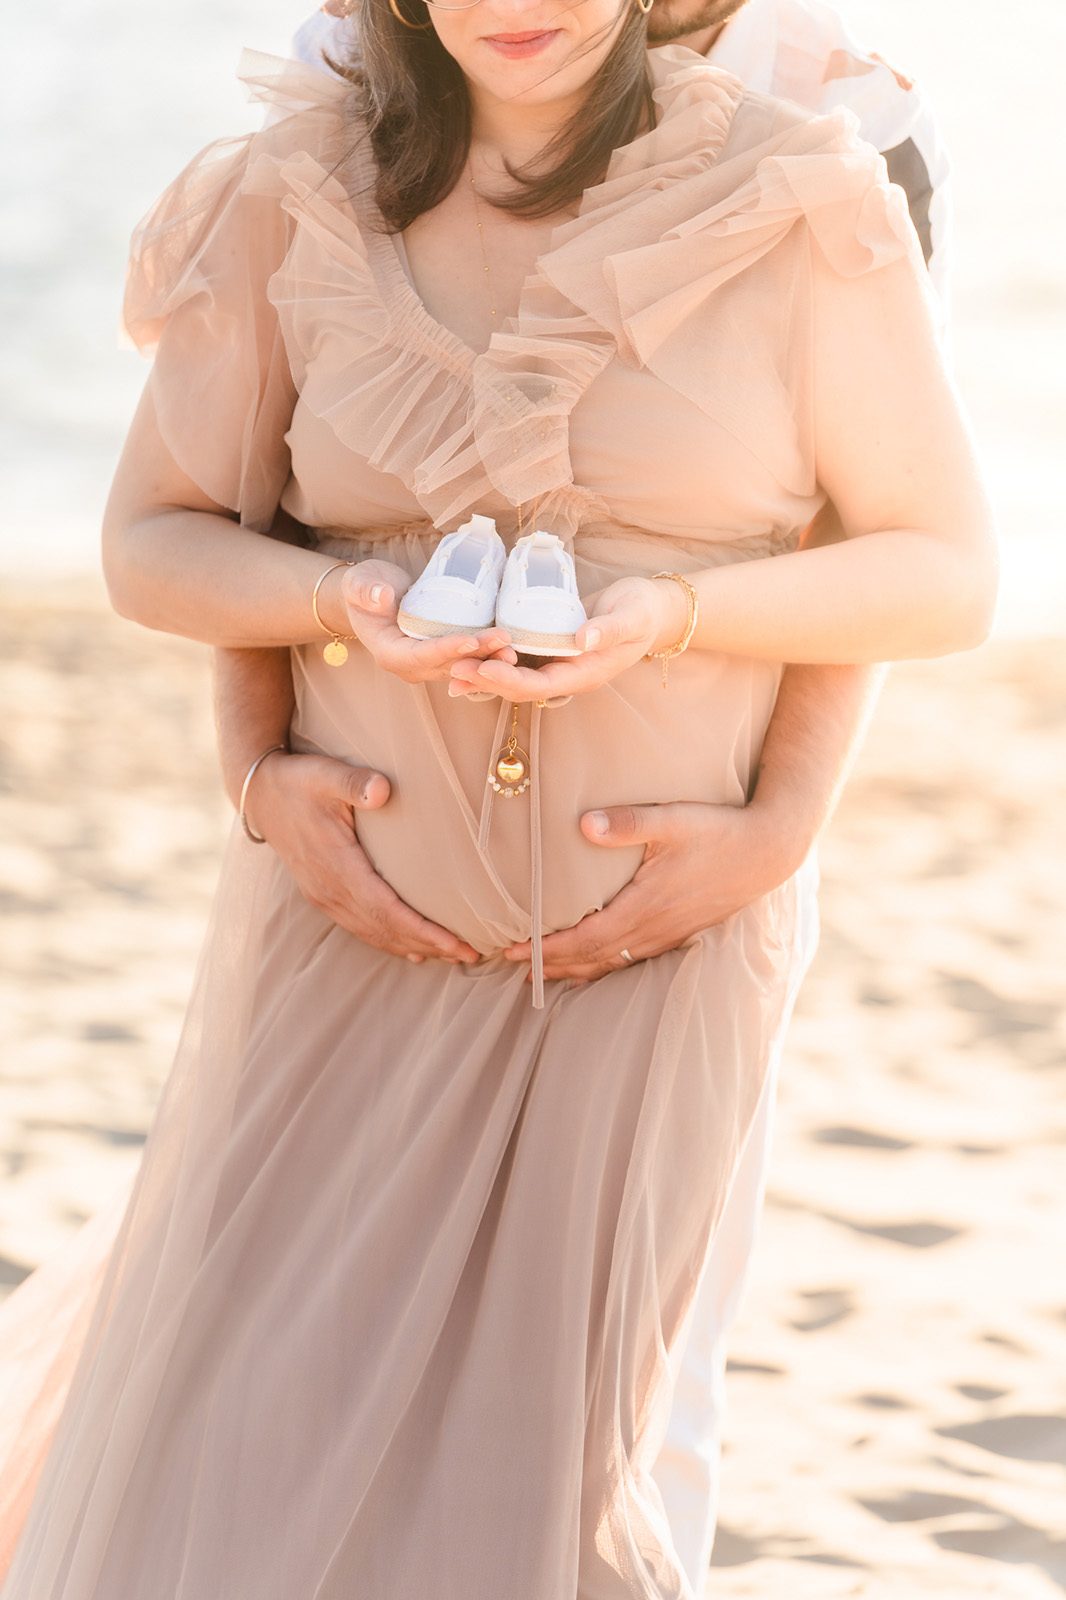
538	602
456	590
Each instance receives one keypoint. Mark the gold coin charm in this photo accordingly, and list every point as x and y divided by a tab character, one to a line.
335	653
509	773
510	769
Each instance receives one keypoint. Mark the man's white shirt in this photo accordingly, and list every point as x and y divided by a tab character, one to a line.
800	50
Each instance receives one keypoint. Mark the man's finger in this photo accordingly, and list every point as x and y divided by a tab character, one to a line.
363	788
598	938
403	928
622	825
579	972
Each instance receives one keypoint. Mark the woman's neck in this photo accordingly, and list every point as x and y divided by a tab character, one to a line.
502	131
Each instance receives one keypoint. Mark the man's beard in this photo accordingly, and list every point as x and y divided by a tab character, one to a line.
666	22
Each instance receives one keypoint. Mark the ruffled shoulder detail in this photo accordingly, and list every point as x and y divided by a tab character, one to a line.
741	179
454	424
264	272
196	293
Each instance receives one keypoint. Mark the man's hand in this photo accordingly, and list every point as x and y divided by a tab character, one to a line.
701	864
304	806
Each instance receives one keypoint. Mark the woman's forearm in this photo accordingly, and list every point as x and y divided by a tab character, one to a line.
200	574
885	596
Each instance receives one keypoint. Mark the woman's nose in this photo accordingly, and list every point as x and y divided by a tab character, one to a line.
505	15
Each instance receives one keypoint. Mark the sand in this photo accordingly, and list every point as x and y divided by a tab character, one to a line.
896	1420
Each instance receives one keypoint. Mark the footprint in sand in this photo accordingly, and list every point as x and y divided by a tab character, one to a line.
1002	1341
1005	1538
915	1235
732	1548
881	1402
997	1015
920	1505
859	1138
1022	1437
12	1273
828	1306
978	1529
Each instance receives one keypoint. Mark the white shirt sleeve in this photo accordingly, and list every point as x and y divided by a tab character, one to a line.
323	32
802	50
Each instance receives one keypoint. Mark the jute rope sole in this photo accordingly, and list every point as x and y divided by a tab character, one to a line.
422	628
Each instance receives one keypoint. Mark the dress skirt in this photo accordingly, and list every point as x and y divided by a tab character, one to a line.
397	1301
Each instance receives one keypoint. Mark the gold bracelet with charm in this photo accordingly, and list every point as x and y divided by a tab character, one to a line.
335	654
693	615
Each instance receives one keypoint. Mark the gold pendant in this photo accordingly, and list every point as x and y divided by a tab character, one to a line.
335	653
509	773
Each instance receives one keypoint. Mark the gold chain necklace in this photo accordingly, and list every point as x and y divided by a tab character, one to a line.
509	774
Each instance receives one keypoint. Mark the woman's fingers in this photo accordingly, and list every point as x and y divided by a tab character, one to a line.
574	675
374	587
418	660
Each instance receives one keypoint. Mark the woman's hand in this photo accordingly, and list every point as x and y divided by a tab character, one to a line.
627	619
372	591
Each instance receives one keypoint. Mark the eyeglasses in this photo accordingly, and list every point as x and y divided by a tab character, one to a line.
437	6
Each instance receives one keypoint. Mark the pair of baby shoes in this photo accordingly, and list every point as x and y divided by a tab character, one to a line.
471	582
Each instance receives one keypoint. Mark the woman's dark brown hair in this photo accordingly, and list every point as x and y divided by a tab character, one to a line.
417	113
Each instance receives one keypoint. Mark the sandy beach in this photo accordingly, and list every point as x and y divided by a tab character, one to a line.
896	1421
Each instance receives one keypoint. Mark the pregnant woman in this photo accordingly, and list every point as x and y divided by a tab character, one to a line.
394	1306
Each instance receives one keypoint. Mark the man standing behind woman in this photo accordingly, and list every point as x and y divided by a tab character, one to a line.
702	862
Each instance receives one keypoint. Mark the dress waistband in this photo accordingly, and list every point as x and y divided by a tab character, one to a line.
704	551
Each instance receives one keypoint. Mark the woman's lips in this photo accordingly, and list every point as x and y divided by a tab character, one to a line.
514	45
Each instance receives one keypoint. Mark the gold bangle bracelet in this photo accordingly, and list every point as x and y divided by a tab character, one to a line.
335	654
256	838
693	616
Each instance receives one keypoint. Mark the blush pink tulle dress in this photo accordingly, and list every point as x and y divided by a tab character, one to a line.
394	1307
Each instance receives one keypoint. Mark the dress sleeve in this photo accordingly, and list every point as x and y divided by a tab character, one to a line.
866	309
197	298
703	269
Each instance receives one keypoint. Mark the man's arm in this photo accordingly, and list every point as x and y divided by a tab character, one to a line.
254	701
817	727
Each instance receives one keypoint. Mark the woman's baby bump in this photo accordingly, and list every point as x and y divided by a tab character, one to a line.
630	742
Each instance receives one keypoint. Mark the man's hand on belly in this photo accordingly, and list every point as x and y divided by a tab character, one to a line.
304	805
701	864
